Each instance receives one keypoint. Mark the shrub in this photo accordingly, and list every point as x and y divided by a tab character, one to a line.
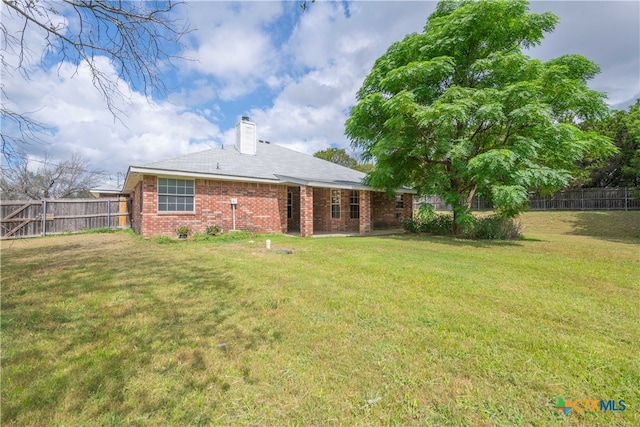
411	225
425	212
495	227
183	231
441	224
213	230
427	221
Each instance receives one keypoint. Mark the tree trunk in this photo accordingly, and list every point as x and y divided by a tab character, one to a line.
470	198
456	229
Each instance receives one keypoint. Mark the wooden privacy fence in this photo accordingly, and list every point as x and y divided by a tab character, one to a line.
573	199
33	218
580	199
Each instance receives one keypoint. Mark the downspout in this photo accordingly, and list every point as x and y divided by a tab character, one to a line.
44	217
233	213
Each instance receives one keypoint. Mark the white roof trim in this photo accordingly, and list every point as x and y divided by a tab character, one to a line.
336	185
325	184
167	172
281	179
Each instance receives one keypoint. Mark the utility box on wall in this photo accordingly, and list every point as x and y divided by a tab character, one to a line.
234	201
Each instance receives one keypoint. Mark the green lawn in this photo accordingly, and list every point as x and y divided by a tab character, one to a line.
111	329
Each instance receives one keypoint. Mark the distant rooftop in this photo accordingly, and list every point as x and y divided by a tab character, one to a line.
108	187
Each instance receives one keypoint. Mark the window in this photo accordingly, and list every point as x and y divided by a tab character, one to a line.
399	202
335	204
289	204
354	204
175	195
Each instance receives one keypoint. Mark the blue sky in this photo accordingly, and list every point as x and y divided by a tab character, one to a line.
294	73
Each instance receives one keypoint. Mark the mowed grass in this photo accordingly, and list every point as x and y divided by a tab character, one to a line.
110	329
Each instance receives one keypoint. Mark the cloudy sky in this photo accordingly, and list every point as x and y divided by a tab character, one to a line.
294	73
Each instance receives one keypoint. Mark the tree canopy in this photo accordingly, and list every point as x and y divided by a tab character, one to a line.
338	156
341	157
460	110
622	169
65	179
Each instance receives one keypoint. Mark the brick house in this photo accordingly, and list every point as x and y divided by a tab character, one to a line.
258	186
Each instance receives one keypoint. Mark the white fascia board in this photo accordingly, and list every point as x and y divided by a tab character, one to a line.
336	185
188	174
322	184
96	191
128	187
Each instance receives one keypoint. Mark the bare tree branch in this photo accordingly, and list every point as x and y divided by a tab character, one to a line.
66	179
139	38
18	130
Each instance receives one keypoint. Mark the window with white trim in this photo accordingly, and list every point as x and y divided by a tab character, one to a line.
335	204
175	195
354	204
399	201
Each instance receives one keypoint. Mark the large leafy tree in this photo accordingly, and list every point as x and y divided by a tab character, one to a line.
460	110
622	169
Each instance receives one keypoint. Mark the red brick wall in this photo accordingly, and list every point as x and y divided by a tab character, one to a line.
260	207
384	213
322	220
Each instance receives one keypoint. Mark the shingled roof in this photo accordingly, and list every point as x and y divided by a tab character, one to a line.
271	163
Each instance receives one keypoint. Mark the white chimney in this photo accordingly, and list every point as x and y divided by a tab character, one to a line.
246	136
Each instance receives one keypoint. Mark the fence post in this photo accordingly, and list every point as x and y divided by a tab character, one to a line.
44	217
122	208
109	214
626	199
581	199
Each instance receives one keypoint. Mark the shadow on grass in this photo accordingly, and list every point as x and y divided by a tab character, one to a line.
619	227
453	241
79	328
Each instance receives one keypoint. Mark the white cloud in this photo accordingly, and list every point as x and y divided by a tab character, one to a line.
605	32
233	44
331	54
83	125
